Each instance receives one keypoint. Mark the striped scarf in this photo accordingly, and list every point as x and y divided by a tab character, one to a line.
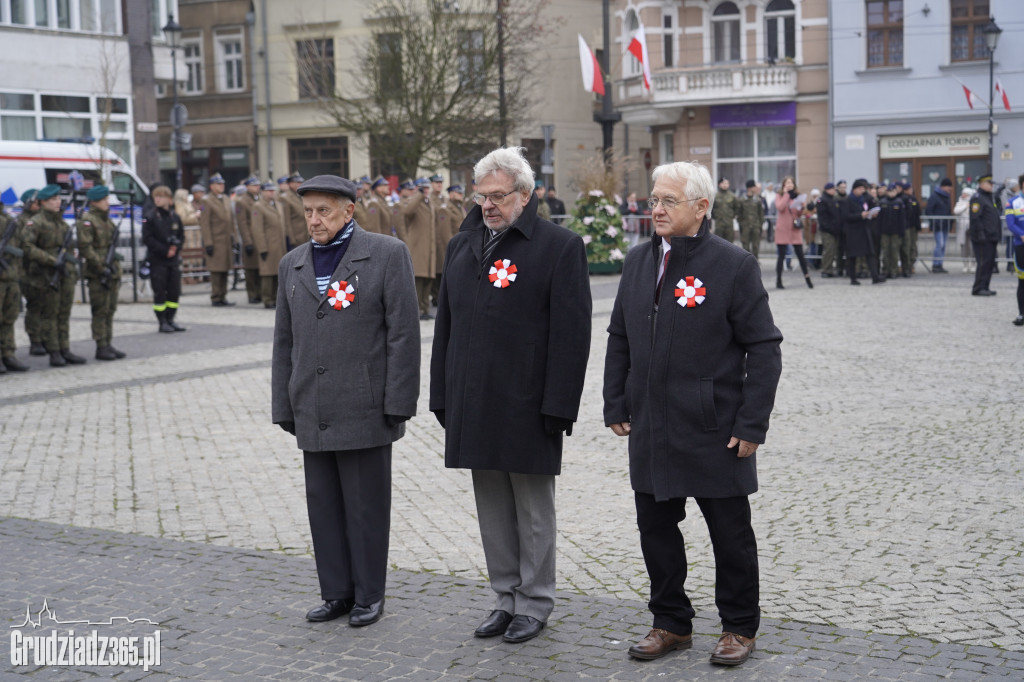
327	256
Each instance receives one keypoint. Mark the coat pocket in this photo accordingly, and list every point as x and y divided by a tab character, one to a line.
707	404
368	383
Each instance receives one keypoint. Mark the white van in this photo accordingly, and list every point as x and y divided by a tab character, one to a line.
72	165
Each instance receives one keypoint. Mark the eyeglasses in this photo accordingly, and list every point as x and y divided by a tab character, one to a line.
669	204
496	199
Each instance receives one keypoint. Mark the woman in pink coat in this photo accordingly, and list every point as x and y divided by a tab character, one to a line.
786	231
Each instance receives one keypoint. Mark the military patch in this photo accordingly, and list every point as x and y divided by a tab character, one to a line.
975	208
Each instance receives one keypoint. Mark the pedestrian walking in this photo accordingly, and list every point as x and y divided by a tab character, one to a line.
789	229
691	371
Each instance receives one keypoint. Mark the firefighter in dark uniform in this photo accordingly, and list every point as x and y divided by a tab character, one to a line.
163	235
95	234
985	231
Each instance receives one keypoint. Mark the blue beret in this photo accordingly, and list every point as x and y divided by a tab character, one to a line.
538	184
48	192
98	193
436	178
330	184
454	188
29	195
379	181
217	177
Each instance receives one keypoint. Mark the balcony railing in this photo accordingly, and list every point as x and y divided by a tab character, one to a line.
713	85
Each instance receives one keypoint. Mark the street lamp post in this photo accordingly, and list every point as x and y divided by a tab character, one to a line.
991	31
172	31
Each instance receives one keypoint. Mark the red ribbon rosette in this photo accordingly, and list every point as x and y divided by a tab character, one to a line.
502	273
341	295
690	292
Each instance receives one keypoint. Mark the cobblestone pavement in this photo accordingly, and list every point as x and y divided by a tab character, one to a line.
890	507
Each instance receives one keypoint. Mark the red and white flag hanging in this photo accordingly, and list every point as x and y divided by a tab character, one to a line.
592	80
1001	93
638	48
972	99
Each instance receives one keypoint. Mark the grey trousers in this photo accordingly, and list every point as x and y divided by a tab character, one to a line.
517	525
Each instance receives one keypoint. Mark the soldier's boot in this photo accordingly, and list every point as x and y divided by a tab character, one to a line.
105	353
117	353
171	312
71	358
57	360
165	328
12	365
37	348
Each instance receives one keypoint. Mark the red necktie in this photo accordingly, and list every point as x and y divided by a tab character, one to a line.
664	269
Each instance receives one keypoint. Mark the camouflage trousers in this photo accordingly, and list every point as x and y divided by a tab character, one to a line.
908	249
830	245
55	315
10	307
750	237
32	297
724	229
891	254
103	302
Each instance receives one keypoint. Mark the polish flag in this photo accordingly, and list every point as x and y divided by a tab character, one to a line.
1000	92
972	99
592	80
638	48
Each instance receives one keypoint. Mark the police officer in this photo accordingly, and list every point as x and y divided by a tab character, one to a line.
724	210
217	228
30	207
10	290
43	236
750	215
985	231
163	235
95	236
268	235
243	216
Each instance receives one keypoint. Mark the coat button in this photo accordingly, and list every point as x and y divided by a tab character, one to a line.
321	370
319	314
323	426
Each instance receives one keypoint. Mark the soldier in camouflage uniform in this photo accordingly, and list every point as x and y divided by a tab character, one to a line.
724	210
10	291
30	207
95	234
750	215
42	236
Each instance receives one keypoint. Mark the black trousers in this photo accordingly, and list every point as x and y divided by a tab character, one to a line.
737	586
165	279
985	255
348	497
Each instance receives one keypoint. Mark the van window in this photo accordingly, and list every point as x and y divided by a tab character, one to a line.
126	183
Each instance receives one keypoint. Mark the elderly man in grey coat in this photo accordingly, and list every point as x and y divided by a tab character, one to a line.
345	378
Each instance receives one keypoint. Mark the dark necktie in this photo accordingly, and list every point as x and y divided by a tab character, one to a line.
490	244
661	279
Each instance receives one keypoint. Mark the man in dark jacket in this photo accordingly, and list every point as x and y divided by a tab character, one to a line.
691	370
985	230
858	217
830	224
511	343
163	235
556	205
940	204
892	225
908	243
344	379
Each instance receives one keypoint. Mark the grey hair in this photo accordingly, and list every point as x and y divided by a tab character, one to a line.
699	184
508	160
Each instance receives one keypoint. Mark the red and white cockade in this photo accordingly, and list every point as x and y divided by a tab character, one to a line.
341	295
690	292
502	273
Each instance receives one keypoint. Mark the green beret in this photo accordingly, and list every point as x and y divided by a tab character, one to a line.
98	193
29	195
48	192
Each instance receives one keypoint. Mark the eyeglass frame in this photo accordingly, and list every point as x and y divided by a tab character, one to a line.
653	202
481	199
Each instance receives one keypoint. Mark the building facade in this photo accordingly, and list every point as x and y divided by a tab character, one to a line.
899	75
740	86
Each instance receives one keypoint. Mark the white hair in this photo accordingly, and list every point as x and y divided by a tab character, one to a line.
699	184
508	160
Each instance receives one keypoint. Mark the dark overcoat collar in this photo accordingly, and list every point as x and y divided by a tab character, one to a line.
357	252
684	243
474	222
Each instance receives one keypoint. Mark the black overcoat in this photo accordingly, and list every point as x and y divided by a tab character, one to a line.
689	378
503	357
858	237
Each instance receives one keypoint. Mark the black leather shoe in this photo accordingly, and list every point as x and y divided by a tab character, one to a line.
105	353
71	358
37	349
329	610
366	615
12	365
496	624
522	628
1019	322
57	360
117	353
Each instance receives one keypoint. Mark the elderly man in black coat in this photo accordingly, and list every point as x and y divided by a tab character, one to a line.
344	379
511	343
858	217
692	366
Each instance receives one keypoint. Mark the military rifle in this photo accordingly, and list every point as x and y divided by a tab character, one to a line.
6	248
112	256
63	257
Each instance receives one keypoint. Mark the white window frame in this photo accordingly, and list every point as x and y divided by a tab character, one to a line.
781	17
630	65
666	147
94	115
193	62
163	9
221	40
713	21
672	33
74	16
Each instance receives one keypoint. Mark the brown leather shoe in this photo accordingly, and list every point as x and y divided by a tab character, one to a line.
659	642
732	649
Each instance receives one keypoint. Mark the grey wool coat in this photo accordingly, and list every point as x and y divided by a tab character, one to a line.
336	373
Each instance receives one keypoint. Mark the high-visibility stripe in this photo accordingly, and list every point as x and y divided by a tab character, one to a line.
160	308
173	305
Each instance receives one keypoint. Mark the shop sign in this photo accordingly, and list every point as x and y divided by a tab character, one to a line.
932	144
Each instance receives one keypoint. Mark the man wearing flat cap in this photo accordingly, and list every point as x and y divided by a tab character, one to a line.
95	236
217	226
42	236
344	379
244	206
